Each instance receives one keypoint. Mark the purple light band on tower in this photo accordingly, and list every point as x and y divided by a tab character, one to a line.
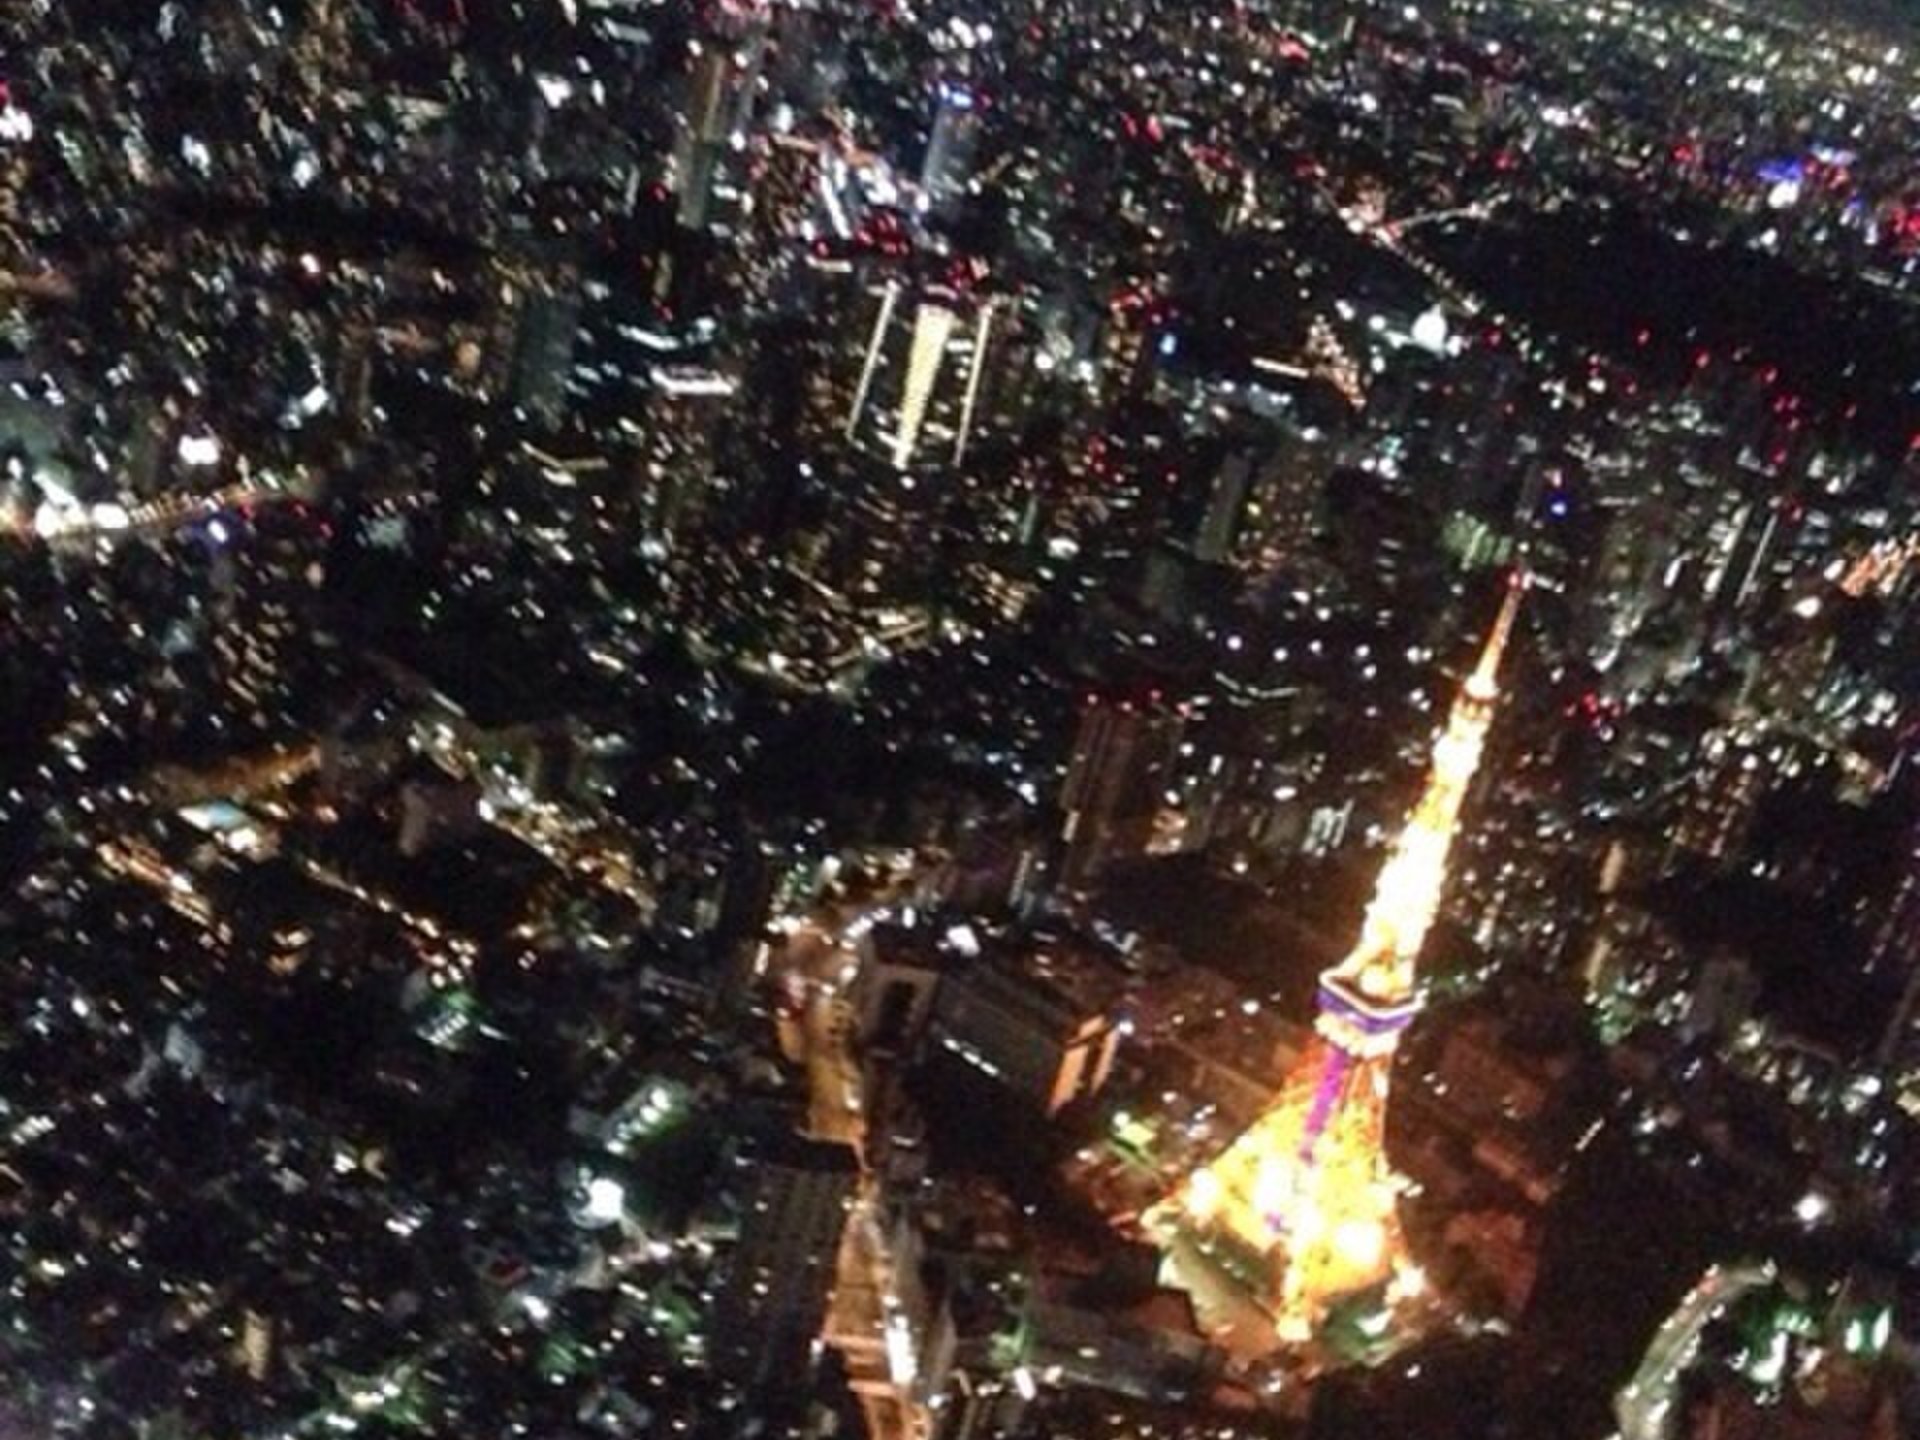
1325	1095
1369	1017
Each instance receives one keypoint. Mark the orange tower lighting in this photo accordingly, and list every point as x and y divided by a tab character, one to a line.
1306	1190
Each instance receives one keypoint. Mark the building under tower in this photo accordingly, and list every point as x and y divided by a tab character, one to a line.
1304	1206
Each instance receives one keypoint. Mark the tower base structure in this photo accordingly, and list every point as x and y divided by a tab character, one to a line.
1303	1208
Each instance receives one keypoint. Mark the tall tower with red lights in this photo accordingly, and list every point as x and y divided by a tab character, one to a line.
1305	1201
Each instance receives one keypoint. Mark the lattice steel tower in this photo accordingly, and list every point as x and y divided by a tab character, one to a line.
1305	1196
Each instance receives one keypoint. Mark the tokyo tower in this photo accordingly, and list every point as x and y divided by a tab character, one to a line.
1304	1200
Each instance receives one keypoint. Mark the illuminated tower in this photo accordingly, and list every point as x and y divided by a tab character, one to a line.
1305	1200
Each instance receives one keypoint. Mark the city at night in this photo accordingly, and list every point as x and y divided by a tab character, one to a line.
959	719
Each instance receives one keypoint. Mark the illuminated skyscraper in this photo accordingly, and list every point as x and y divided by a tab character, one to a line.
918	395
1305	1201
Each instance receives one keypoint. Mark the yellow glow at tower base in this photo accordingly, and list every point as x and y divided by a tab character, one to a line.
1203	1194
1360	1244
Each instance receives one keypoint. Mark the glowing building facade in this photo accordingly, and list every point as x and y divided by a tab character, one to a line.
1305	1197
920	383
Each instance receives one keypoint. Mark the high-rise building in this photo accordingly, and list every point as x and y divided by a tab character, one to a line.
719	104
547	336
1226	505
917	401
1116	781
1304	1203
950	143
674	471
1285	511
1264	503
1718	810
796	1194
1032	1034
1894	958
